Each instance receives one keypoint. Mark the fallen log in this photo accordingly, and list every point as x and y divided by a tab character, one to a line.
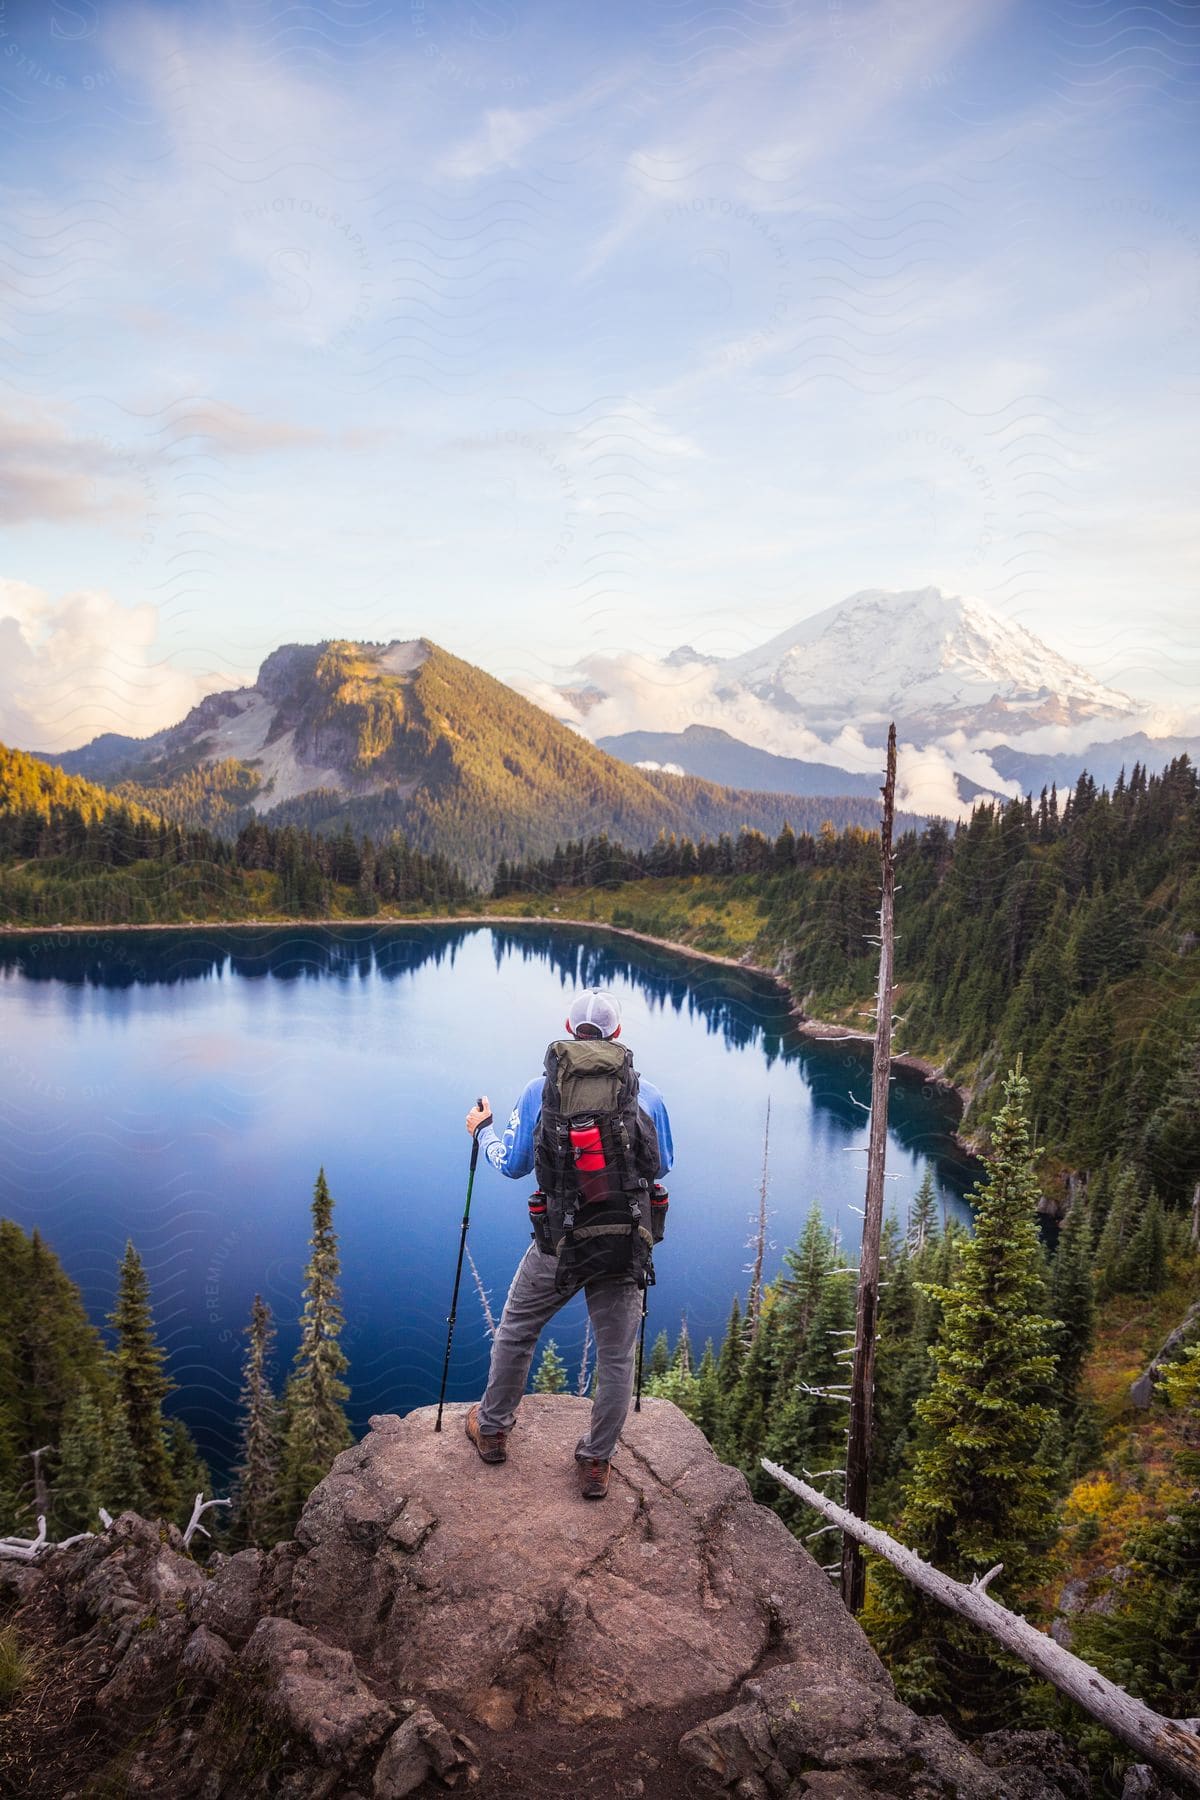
1171	1745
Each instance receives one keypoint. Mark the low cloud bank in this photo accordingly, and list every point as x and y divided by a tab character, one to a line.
79	664
641	695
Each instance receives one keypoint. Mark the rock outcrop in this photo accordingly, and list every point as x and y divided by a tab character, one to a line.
439	1624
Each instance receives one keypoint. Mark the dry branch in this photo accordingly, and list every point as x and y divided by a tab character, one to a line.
19	1549
1171	1746
199	1507
484	1299
585	1359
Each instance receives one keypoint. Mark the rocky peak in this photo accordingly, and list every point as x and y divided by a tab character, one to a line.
438	1623
286	668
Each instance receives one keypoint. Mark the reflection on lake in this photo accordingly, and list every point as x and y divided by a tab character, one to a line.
183	1087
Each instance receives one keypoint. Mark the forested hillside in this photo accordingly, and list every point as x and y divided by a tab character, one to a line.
1063	940
71	852
1069	934
33	789
380	738
998	1436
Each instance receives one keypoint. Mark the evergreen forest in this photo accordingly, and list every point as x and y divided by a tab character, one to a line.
73	853
1048	964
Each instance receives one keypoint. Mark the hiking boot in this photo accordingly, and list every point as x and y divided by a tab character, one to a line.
593	1478
491	1446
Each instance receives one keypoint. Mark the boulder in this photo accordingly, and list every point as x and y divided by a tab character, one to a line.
240	1590
1029	1760
18	1581
131	1588
230	1602
417	1749
314	1691
844	1737
206	1658
675	1638
499	1591
1142	1783
147	1669
830	1784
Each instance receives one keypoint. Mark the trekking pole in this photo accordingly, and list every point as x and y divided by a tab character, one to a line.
462	1244
637	1404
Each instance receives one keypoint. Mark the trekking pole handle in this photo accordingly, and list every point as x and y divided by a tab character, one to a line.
475	1135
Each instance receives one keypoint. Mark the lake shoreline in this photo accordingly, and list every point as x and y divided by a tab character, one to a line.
822	1029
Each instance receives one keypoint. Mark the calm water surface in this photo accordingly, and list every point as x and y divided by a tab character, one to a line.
182	1088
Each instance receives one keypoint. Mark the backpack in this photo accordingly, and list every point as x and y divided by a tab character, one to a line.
596	1155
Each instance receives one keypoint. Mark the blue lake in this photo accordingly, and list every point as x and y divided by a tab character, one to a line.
182	1088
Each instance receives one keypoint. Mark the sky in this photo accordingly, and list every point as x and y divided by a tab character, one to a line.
551	332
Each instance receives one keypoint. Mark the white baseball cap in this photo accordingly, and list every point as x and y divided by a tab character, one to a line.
594	1007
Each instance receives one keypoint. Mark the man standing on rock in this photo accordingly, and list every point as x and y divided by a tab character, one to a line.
599	1138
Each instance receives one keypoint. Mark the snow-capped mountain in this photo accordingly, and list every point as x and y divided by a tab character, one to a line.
962	683
933	662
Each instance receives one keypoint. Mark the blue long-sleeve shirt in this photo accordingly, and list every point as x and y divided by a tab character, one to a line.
512	1153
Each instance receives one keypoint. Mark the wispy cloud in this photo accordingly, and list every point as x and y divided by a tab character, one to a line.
744	309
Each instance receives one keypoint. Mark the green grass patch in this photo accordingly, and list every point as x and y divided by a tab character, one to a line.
16	1665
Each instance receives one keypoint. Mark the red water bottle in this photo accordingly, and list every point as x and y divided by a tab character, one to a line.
589	1161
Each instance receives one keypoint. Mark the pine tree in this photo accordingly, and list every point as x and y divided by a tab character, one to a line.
809	1428
551	1376
977	1494
1099	1200
1124	1214
1172	1141
1073	1304
660	1354
680	1387
801	1283
189	1470
316	1427
137	1363
708	1387
729	1362
1143	1268
77	1492
902	1372
745	1421
258	1471
923	1213
49	1350
121	1484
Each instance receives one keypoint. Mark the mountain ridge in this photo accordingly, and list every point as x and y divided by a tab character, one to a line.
405	736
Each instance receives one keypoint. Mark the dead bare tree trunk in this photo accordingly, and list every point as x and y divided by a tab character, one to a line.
754	1301
862	1376
1172	1746
1196	1217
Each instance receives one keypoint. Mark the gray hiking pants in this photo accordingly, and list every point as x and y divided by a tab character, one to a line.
615	1309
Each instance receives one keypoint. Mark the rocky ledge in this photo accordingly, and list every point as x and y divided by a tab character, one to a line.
439	1624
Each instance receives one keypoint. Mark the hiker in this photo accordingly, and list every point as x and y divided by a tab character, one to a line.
599	1139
